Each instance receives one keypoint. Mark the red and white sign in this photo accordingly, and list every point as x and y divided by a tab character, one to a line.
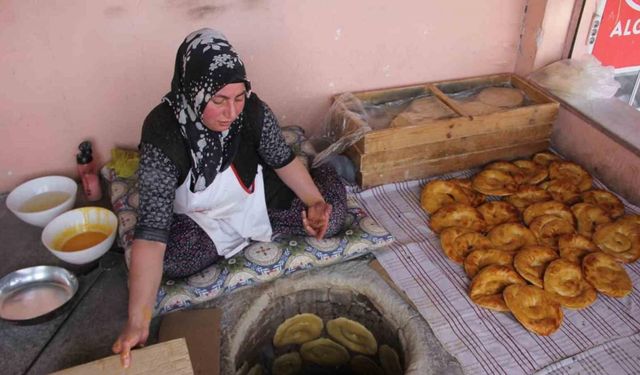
617	41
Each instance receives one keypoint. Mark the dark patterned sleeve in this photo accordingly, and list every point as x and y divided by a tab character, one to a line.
273	149
158	179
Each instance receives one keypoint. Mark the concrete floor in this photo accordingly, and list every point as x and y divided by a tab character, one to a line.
86	328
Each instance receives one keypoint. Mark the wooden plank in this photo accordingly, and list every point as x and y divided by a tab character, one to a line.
533	92
423	153
445	129
167	358
449	164
461	84
448	101
201	330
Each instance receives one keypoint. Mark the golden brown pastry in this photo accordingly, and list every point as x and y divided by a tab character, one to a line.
498	212
324	352
466	185
634	219
547	229
533	308
545	158
478	259
606	200
501	96
458	242
494	182
439	193
457	215
547	208
606	275
532	261
511	237
564	282
361	365
298	329
621	240
572	171
588	217
573	247
487	286
528	195
534	173
389	360
353	335
562	190
508	168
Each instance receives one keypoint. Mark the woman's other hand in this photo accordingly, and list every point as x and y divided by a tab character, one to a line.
316	219
132	335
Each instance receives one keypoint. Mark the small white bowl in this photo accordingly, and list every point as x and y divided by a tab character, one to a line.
21	194
77	221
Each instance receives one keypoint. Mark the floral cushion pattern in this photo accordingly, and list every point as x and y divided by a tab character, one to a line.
265	261
259	262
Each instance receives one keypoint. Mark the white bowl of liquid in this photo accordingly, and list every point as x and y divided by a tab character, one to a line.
40	200
81	235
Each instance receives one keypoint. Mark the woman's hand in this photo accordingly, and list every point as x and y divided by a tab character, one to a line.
132	335
316	219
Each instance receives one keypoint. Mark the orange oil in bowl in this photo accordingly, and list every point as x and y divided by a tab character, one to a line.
81	237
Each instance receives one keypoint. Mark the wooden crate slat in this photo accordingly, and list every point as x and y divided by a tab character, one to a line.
437	150
440	130
449	164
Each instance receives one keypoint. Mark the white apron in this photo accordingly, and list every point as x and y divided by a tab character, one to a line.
229	213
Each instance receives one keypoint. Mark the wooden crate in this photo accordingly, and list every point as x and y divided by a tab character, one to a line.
433	147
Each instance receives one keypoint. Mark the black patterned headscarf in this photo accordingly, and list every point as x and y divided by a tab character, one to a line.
205	63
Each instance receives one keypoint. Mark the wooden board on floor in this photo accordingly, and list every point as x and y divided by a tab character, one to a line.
201	329
167	358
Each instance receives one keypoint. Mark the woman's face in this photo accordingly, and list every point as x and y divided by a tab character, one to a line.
224	107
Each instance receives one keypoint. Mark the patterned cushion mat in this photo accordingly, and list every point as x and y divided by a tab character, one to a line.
259	262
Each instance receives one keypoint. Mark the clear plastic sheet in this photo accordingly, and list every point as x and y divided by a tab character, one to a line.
582	79
349	119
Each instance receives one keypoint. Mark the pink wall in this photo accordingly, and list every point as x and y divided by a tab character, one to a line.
76	69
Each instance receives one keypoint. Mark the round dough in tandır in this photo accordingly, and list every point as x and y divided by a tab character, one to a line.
533	307
606	275
501	96
324	352
298	329
353	335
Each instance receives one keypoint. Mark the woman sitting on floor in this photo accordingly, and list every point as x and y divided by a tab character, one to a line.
215	173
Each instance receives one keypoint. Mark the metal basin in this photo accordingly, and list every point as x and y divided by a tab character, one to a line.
35	294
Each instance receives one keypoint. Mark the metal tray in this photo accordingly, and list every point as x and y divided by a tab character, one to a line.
35	294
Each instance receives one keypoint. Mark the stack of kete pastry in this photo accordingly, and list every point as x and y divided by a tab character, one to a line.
543	241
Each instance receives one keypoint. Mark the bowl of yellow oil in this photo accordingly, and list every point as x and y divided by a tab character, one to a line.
40	200
81	235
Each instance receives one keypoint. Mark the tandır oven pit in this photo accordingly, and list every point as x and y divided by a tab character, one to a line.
330	317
